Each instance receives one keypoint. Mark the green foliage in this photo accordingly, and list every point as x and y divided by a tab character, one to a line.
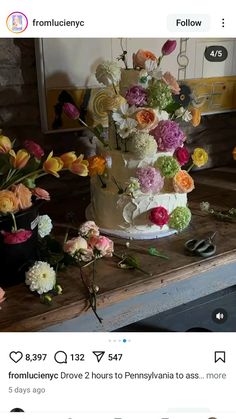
153	251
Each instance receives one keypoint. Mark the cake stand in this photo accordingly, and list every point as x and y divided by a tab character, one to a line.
132	234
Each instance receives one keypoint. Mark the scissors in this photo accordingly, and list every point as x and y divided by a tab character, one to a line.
201	247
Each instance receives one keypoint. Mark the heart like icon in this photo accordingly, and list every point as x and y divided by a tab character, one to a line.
16	356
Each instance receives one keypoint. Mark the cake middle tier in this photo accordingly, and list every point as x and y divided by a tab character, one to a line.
121	166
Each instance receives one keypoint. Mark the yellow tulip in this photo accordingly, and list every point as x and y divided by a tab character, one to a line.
200	157
68	159
20	159
80	166
53	165
5	144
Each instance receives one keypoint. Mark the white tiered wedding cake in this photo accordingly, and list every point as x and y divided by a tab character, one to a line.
140	190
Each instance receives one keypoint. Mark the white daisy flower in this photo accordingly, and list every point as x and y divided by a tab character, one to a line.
123	114
184	114
150	65
127	128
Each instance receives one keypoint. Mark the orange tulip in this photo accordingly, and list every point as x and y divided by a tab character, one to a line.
5	144
68	159
53	165
80	166
20	159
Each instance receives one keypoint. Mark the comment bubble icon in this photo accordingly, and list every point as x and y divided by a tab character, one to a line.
60	357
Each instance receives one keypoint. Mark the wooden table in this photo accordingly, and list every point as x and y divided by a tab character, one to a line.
129	296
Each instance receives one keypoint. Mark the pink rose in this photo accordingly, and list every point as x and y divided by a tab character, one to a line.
41	194
71	111
89	228
182	155
101	245
168	47
159	216
2	295
16	237
34	149
171	82
78	248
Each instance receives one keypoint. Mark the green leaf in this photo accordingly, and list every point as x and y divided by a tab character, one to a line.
5	165
30	183
131	262
153	251
99	129
172	107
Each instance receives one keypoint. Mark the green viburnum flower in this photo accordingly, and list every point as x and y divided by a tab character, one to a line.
168	166
159	95
180	218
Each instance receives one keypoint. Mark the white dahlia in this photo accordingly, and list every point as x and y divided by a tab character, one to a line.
143	145
108	73
44	225
41	277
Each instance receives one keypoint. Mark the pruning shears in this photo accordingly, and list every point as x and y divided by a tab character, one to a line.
201	247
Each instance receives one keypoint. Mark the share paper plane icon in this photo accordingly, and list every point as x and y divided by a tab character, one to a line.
99	355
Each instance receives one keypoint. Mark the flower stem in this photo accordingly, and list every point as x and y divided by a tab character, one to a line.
115	90
92	297
120	190
102	182
117	138
66	235
190	167
32	174
92	131
14	221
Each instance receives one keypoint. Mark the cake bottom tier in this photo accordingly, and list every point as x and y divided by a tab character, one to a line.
128	217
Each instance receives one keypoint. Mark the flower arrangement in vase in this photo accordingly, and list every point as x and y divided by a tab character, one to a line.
20	168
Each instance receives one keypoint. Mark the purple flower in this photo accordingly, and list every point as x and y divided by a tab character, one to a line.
150	179
168	135
71	111
137	96
168	47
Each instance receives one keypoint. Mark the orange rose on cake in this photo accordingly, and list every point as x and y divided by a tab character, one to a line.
183	182
141	56
146	119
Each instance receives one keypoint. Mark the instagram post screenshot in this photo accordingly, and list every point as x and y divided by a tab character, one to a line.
117	210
